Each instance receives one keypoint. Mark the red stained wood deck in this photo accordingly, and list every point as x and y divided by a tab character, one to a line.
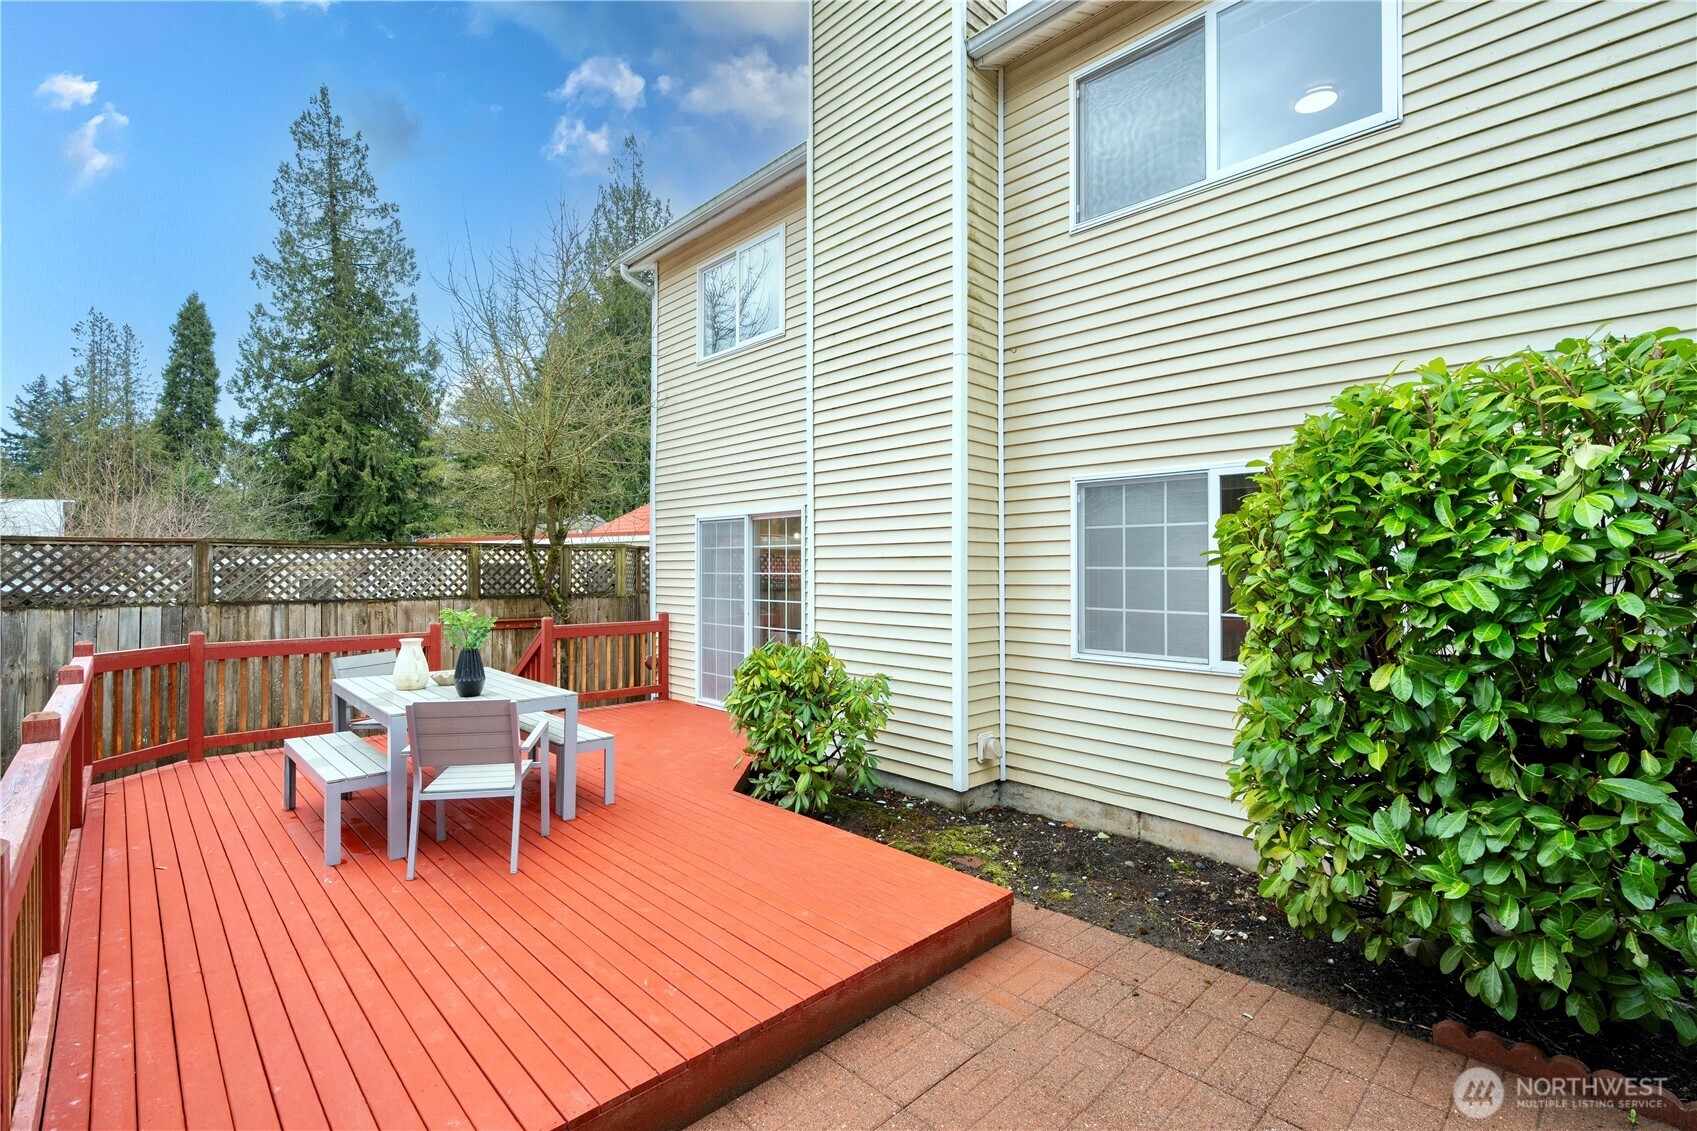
649	960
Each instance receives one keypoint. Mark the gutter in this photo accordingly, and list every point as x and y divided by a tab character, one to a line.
990	47
624	273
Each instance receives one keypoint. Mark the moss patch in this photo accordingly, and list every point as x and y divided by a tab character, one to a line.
971	848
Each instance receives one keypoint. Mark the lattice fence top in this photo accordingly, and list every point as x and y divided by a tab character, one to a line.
70	572
250	574
51	572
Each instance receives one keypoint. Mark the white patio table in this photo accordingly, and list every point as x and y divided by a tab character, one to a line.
377	697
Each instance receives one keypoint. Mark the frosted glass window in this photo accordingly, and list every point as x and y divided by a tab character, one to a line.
722	568
1142	126
1240	86
741	296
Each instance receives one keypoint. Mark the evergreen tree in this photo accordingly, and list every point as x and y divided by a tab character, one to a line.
46	415
339	383
626	212
187	420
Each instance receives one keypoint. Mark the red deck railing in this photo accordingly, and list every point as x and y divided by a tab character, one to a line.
602	662
117	711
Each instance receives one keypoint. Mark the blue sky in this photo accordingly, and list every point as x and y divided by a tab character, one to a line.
138	141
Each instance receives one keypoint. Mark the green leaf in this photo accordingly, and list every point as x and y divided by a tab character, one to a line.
1630	603
1633	790
1638	883
1593	923
1662	679
1545	957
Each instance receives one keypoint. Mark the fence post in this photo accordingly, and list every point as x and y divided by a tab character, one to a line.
433	645
203	572
474	573
197	696
621	571
665	656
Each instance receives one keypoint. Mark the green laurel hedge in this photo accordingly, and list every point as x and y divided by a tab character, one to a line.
1468	678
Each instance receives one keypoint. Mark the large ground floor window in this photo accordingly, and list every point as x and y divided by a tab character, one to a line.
748	585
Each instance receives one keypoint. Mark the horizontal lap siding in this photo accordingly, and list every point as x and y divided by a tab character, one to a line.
1538	186
731	432
882	167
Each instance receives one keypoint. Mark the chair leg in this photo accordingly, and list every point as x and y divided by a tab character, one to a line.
288	782
518	804
441	821
544	793
332	828
412	837
607	773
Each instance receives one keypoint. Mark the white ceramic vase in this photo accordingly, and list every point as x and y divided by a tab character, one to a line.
412	670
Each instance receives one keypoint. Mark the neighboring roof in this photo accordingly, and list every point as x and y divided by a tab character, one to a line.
1027	28
629	527
765	183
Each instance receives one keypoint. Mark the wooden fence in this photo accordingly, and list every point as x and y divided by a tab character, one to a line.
39	576
123	711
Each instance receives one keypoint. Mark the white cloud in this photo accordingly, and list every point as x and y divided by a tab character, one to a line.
572	136
603	74
752	86
736	18
663	84
64	91
82	148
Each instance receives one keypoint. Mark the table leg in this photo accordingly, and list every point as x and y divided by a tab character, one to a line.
397	787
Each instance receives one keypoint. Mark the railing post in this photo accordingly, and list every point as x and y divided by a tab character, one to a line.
197	696
474	573
44	727
8	1039
72	781
544	661
433	645
665	656
203	572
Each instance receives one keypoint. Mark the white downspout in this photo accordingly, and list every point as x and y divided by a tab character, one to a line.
653	294
1001	418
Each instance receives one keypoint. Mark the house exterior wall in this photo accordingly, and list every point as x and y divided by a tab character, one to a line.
882	168
1538	185
731	431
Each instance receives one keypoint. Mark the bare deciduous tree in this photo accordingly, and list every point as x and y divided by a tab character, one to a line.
537	414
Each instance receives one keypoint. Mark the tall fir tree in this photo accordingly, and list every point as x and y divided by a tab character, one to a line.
626	212
187	419
338	379
46	413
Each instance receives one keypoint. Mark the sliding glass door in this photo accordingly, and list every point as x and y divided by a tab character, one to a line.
748	592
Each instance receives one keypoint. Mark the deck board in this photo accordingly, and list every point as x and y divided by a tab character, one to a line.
648	957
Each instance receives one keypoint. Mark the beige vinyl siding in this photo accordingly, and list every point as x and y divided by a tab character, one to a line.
1538	186
731	431
883	376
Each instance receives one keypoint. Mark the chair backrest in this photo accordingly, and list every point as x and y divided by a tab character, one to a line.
370	663
464	732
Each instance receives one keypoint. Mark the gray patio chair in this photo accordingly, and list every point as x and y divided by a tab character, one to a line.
352	667
474	746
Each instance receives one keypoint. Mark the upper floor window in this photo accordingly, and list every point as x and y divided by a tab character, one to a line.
1240	86
741	295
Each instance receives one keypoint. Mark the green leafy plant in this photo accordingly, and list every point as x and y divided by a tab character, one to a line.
466	628
808	723
1468	675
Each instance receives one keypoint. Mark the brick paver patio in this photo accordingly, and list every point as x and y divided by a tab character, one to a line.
1069	1025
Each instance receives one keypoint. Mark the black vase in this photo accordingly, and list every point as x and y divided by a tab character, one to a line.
468	673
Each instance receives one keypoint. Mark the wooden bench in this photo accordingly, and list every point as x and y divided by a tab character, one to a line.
337	763
565	765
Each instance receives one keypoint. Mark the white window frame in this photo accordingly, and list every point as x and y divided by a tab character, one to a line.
702	357
1215	605
748	518
1390	113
